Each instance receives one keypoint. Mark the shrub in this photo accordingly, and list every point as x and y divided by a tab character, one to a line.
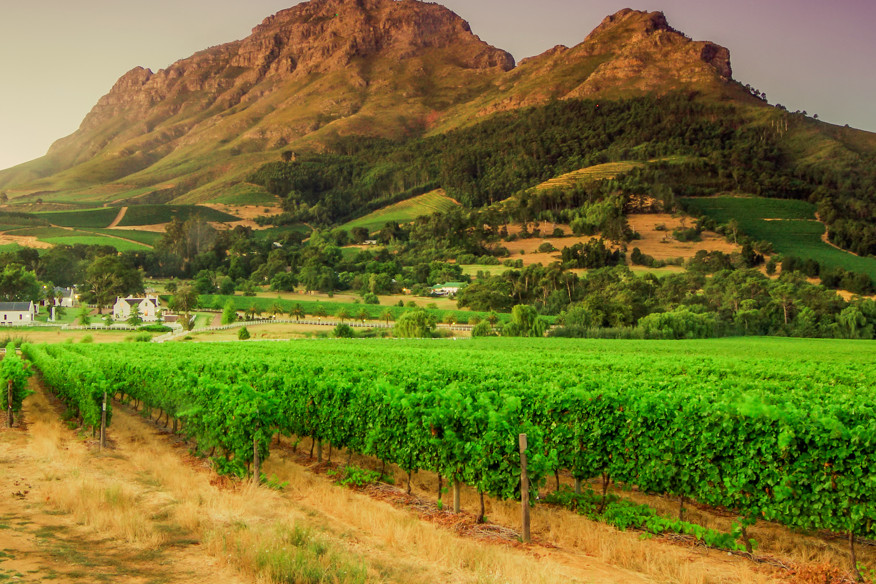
243	334
343	331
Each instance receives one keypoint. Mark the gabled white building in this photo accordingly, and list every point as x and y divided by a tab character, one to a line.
16	313
65	297
148	308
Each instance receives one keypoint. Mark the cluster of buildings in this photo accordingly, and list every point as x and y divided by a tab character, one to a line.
22	313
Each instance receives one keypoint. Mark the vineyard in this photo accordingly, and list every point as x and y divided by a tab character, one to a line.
778	430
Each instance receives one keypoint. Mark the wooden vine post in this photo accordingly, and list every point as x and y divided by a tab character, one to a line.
256	462
9	419
524	491
103	423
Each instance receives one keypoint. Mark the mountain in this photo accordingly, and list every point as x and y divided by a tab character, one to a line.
333	68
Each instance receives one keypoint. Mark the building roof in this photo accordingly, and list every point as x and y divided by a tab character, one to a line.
136	301
450	285
15	306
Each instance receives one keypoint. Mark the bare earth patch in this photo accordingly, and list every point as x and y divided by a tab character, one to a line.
23	241
660	244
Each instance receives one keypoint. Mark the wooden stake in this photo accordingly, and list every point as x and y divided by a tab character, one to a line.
456	496
9	419
103	423
855	572
524	491
319	451
256	463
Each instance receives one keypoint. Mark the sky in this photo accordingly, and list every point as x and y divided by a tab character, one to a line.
58	57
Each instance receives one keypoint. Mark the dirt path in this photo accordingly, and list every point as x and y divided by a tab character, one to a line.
118	218
41	540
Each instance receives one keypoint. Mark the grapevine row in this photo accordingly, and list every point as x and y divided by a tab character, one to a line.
789	444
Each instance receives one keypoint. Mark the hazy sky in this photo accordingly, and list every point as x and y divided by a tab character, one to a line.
58	57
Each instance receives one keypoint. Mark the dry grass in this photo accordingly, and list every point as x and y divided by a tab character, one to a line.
147	491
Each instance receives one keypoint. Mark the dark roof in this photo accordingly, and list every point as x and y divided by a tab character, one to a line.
14	306
135	301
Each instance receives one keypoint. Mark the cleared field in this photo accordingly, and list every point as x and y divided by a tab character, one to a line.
405	211
599	172
591	173
91	218
789	225
154	214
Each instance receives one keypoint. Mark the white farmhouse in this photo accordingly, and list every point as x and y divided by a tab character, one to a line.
148	308
65	297
16	313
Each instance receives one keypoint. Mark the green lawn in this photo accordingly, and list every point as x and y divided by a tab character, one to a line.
404	211
789	225
154	214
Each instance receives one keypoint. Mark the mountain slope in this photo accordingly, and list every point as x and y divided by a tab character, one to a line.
331	68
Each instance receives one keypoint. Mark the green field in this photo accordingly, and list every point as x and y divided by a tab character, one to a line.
374	311
788	224
148	237
405	211
91	218
61	236
84	239
154	214
275	233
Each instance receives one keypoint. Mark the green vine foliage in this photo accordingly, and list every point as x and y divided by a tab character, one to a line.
14	368
780	437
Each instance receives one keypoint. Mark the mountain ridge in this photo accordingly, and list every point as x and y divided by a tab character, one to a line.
342	67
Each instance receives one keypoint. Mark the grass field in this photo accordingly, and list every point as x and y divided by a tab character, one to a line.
591	173
91	218
155	214
405	211
599	172
147	237
789	225
61	236
273	233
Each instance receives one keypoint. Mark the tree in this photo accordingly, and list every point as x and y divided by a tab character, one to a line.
482	329
362	315
414	324
343	314
297	312
135	318
243	334
84	316
17	284
108	277
229	312
490	294
320	312
387	316
185	299
525	322
277	309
